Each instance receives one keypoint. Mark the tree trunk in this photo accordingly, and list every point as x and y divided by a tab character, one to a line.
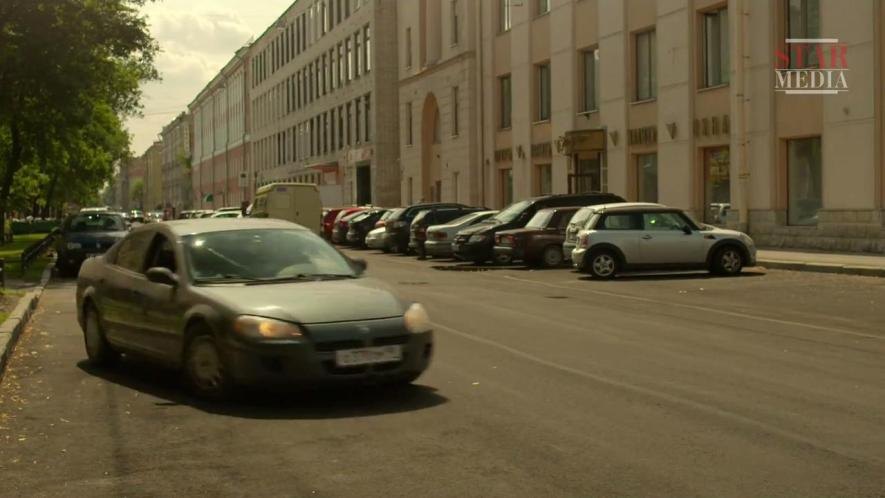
50	194
12	166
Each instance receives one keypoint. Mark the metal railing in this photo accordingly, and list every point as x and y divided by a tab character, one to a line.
34	251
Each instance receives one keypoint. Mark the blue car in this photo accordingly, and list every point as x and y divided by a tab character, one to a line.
85	235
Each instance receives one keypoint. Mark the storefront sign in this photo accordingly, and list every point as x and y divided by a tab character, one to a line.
712	126
577	141
503	155
541	150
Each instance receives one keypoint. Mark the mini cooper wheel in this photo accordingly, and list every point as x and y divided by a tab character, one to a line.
98	350
728	261
603	264
503	259
552	256
204	369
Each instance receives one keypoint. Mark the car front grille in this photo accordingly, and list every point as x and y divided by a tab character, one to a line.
331	346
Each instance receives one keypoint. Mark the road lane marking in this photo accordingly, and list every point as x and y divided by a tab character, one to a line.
734	314
644	391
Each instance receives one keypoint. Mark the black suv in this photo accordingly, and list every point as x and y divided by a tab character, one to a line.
477	242
397	226
434	216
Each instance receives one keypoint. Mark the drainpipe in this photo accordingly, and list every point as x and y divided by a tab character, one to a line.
741	111
482	107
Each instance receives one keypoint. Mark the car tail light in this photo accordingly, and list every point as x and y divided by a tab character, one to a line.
506	240
439	235
584	240
379	224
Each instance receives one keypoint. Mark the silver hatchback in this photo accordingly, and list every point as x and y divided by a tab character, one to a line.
638	236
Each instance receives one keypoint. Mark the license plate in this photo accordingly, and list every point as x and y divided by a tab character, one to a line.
368	356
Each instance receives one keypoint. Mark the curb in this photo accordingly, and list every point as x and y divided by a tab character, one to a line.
867	271
12	327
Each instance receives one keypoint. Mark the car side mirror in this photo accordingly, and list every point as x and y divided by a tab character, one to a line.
686	229
359	264
160	275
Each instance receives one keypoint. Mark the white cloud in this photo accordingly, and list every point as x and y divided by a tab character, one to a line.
197	38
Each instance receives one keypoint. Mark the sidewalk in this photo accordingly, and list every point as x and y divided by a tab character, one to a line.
824	262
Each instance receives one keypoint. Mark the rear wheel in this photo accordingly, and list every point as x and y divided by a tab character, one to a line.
727	261
552	256
603	264
97	348
204	369
503	259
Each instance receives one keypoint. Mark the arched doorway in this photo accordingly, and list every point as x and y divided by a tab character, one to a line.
431	170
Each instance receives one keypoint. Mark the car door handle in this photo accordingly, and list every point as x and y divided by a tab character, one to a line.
646	237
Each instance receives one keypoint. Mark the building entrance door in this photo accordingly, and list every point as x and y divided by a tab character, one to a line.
363	185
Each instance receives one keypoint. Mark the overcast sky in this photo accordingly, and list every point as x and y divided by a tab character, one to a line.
196	37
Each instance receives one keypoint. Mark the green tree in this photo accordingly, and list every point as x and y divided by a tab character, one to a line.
136	194
70	71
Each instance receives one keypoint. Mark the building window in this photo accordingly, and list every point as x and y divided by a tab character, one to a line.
348	124
505	17
803	21
349	56
647	177
716	61
804	180
506	102
357	121
545	179
646	66
590	87
409	124
543	7
357	53
408	47
543	92
456	103
368	117
717	186
367	48
341	65
506	177
455	24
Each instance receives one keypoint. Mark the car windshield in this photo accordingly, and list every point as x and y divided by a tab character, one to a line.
512	211
96	222
467	218
540	219
263	255
396	214
580	218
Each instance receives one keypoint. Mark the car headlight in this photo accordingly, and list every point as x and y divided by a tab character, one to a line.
477	238
417	320
257	327
74	245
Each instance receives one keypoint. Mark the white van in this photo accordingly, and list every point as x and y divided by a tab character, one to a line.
295	202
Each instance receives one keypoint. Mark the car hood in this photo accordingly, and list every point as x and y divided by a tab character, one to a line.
311	302
94	236
724	233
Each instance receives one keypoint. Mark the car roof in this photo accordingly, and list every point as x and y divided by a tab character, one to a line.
206	225
632	206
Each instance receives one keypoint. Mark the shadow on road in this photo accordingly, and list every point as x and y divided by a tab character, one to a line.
351	402
633	277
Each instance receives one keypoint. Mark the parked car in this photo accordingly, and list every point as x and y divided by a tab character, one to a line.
341	213
398	225
84	235
296	202
476	243
248	304
329	216
439	238
539	242
361	225
377	239
634	236
433	216
339	233
227	214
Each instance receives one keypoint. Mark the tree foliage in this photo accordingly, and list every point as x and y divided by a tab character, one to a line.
70	72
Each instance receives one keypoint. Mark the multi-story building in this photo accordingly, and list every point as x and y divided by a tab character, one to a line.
153	178
683	102
439	96
324	104
221	137
177	188
135	183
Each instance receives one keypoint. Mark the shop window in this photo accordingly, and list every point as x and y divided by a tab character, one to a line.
804	181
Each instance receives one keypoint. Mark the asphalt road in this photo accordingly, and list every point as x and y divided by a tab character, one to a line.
543	384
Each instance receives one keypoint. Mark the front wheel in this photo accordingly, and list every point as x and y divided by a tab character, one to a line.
603	264
503	259
98	350
204	370
727	261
